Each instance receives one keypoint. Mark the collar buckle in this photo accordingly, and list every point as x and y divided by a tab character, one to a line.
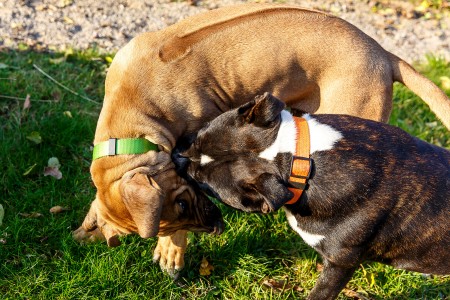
112	146
308	159
302	172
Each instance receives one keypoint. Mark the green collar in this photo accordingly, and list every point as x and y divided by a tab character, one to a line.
123	146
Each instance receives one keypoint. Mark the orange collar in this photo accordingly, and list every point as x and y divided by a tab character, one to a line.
301	162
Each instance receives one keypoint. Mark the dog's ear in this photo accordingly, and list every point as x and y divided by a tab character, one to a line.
90	221
143	198
268	189
262	111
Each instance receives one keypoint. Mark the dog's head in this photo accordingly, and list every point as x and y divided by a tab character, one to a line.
224	157
143	194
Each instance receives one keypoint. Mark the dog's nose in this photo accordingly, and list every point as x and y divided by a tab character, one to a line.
181	162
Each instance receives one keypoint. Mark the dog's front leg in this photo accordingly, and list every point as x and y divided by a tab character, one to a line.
332	280
170	252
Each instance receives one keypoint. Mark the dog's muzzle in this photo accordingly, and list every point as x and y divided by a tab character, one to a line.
182	162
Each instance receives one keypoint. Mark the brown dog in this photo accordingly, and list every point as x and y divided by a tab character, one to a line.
167	83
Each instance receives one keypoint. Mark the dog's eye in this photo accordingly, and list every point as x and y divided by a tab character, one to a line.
182	204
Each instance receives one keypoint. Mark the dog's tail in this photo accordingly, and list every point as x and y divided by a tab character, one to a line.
436	99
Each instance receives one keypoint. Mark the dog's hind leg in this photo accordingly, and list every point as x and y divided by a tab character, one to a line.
332	280
365	97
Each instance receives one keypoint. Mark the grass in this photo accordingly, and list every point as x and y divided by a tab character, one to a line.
40	260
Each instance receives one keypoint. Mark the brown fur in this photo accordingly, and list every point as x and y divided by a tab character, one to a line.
167	83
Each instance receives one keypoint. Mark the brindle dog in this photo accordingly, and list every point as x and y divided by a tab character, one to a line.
375	192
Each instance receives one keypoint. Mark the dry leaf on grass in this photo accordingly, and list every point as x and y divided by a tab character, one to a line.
32	215
54	172
35	137
28	171
27	103
53	168
280	285
205	267
58	209
355	295
68	114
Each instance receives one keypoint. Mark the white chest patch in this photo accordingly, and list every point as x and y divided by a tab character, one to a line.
309	238
323	137
204	159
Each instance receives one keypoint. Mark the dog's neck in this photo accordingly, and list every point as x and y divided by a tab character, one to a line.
286	138
323	137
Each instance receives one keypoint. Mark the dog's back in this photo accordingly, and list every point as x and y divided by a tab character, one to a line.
395	189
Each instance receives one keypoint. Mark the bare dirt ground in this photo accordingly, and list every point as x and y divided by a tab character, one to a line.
407	29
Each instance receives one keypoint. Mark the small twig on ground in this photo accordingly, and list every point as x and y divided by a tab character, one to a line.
63	86
23	99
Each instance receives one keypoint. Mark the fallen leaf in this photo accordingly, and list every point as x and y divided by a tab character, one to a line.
57	61
53	168
68	52
2	214
53	162
54	172
280	285
32	215
355	295
445	81
68	114
35	137
28	171
205	267
2	241
58	209
108	59
27	102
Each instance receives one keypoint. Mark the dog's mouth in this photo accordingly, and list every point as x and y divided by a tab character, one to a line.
217	229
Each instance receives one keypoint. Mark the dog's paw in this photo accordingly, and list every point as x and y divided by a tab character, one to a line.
82	236
169	252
